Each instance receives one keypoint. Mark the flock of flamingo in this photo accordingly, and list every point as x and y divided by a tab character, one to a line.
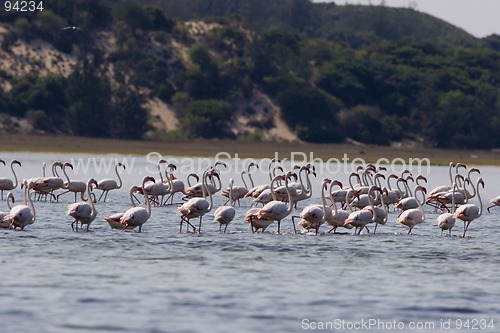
367	200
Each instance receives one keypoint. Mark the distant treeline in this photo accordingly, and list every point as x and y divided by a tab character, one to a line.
399	75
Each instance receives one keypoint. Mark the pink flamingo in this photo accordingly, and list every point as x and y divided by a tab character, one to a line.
21	215
106	185
6	184
114	219
83	212
225	214
494	202
470	212
137	216
412	217
197	207
446	221
277	210
6	224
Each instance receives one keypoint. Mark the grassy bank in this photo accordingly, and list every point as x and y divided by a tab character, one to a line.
209	148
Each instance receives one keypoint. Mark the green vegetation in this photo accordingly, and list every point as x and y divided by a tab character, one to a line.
369	73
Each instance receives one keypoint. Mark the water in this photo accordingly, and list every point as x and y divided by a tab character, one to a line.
56	280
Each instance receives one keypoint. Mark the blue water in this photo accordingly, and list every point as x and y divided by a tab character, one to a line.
56	280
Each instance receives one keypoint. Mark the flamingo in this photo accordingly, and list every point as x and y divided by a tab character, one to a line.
107	185
83	212
277	210
446	221
48	185
313	216
6	184
412	217
255	191
6	224
177	185
114	220
137	216
225	214
239	192
412	202
75	186
470	212
21	215
339	216
197	207
494	202
361	218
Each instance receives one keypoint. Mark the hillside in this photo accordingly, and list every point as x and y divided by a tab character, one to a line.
286	70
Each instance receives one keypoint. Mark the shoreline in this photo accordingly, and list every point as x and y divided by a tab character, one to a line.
209	148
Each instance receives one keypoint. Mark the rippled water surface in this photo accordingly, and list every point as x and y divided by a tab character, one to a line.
56	280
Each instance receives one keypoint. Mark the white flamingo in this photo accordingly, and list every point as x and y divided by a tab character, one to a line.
6	224
361	218
494	202
412	217
48	185
277	210
83	212
313	216
114	219
75	186
197	207
412	202
6	184
239	192
137	216
107	185
446	221
21	216
339	216
225	214
470	212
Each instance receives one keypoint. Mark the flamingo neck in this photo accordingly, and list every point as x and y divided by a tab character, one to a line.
15	176
479	198
93	214
290	202
243	179
146	197
118	175
205	189
26	190
370	201
67	177
454	185
332	199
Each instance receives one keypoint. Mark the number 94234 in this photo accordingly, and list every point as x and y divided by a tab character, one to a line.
23	6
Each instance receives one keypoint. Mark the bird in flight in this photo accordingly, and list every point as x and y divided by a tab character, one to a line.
71	28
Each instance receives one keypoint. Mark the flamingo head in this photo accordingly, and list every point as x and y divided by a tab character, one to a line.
474	170
480	181
172	166
67	164
220	163
325	182
252	164
162	161
337	182
382	168
120	164
2	161
14	162
422	178
93	182
379	175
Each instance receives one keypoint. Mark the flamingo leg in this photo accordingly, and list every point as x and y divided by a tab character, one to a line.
279	222
140	228
251	224
488	208
375	229
101	196
466	228
225	228
73	225
199	226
